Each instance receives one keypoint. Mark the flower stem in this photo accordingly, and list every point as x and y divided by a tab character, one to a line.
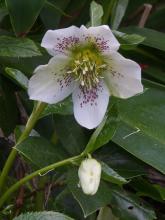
40	172
29	126
40	194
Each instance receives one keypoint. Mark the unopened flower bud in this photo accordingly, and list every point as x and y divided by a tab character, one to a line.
89	175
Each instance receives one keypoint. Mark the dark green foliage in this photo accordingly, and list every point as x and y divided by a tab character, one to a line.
129	142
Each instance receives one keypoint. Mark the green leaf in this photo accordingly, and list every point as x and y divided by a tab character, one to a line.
25	64
18	47
118	12
70	134
144	188
88	203
156	18
3	13
141	131
96	13
17	76
126	206
65	202
8	107
62	108
19	130
43	215
128	41
79	12
104	131
105	213
4	152
153	38
129	207
107	7
52	13
39	151
111	175
161	190
157	73
121	161
23	14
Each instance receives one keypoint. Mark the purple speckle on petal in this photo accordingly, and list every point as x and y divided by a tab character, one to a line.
89	96
65	42
102	43
64	82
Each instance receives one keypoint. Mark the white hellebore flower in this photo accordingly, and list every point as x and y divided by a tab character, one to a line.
89	174
85	63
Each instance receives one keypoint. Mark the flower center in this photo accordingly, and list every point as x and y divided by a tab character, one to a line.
87	65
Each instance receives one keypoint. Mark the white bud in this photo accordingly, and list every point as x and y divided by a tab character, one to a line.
89	175
84	71
82	83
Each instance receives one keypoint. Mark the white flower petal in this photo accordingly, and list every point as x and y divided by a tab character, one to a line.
123	77
90	106
58	41
49	83
103	37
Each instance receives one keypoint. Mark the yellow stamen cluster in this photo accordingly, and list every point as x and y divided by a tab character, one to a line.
87	66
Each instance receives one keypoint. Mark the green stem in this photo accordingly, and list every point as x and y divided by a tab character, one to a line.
40	194
40	172
29	126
